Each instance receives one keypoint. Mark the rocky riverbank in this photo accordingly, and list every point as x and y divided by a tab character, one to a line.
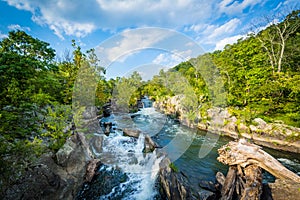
222	121
55	176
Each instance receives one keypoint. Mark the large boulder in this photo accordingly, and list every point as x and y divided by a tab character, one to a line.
230	127
56	176
261	124
106	180
173	185
149	144
131	132
90	112
96	143
89	121
282	190
41	182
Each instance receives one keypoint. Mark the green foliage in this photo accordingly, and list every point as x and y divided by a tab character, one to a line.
16	157
243	76
173	167
244	114
104	91
127	92
36	92
35	95
55	123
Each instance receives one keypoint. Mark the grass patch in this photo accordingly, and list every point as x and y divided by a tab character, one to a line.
173	167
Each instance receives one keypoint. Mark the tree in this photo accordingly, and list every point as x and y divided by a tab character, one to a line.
24	61
275	37
28	84
127	92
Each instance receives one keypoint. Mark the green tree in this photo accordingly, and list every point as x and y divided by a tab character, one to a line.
127	91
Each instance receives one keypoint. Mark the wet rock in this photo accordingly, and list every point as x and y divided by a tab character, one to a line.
266	192
131	132
220	178
150	145
173	185
208	185
207	195
95	144
103	183
106	109
282	190
91	169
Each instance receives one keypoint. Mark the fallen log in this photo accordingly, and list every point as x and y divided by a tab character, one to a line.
244	178
229	184
243	153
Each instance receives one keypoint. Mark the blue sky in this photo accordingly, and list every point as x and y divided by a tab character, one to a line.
117	29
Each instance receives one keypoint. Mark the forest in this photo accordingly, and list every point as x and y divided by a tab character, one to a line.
258	76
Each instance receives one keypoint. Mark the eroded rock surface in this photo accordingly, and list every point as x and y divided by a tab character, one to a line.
55	176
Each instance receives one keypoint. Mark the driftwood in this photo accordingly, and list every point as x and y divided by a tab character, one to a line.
229	184
244	178
243	153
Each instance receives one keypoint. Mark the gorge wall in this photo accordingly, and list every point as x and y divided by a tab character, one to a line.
222	121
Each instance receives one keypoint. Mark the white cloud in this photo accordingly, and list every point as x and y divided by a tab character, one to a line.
229	40
18	27
133	41
61	16
173	58
198	17
80	18
224	29
231	7
130	42
166	60
216	35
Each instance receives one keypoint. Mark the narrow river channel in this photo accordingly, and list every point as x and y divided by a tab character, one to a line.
137	172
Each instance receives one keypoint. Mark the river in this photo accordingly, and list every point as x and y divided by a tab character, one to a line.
123	157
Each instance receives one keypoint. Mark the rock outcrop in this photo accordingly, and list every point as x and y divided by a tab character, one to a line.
131	132
174	186
223	121
149	144
56	176
106	179
283	189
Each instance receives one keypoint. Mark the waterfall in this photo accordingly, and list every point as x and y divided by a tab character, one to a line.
128	173
126	154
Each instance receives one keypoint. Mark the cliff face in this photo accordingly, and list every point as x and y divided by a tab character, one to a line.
55	176
223	121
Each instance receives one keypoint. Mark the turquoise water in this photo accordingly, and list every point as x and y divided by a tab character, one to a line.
123	157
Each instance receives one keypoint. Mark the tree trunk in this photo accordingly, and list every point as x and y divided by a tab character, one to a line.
243	153
229	184
244	178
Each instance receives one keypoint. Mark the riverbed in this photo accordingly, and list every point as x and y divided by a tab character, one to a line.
182	145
